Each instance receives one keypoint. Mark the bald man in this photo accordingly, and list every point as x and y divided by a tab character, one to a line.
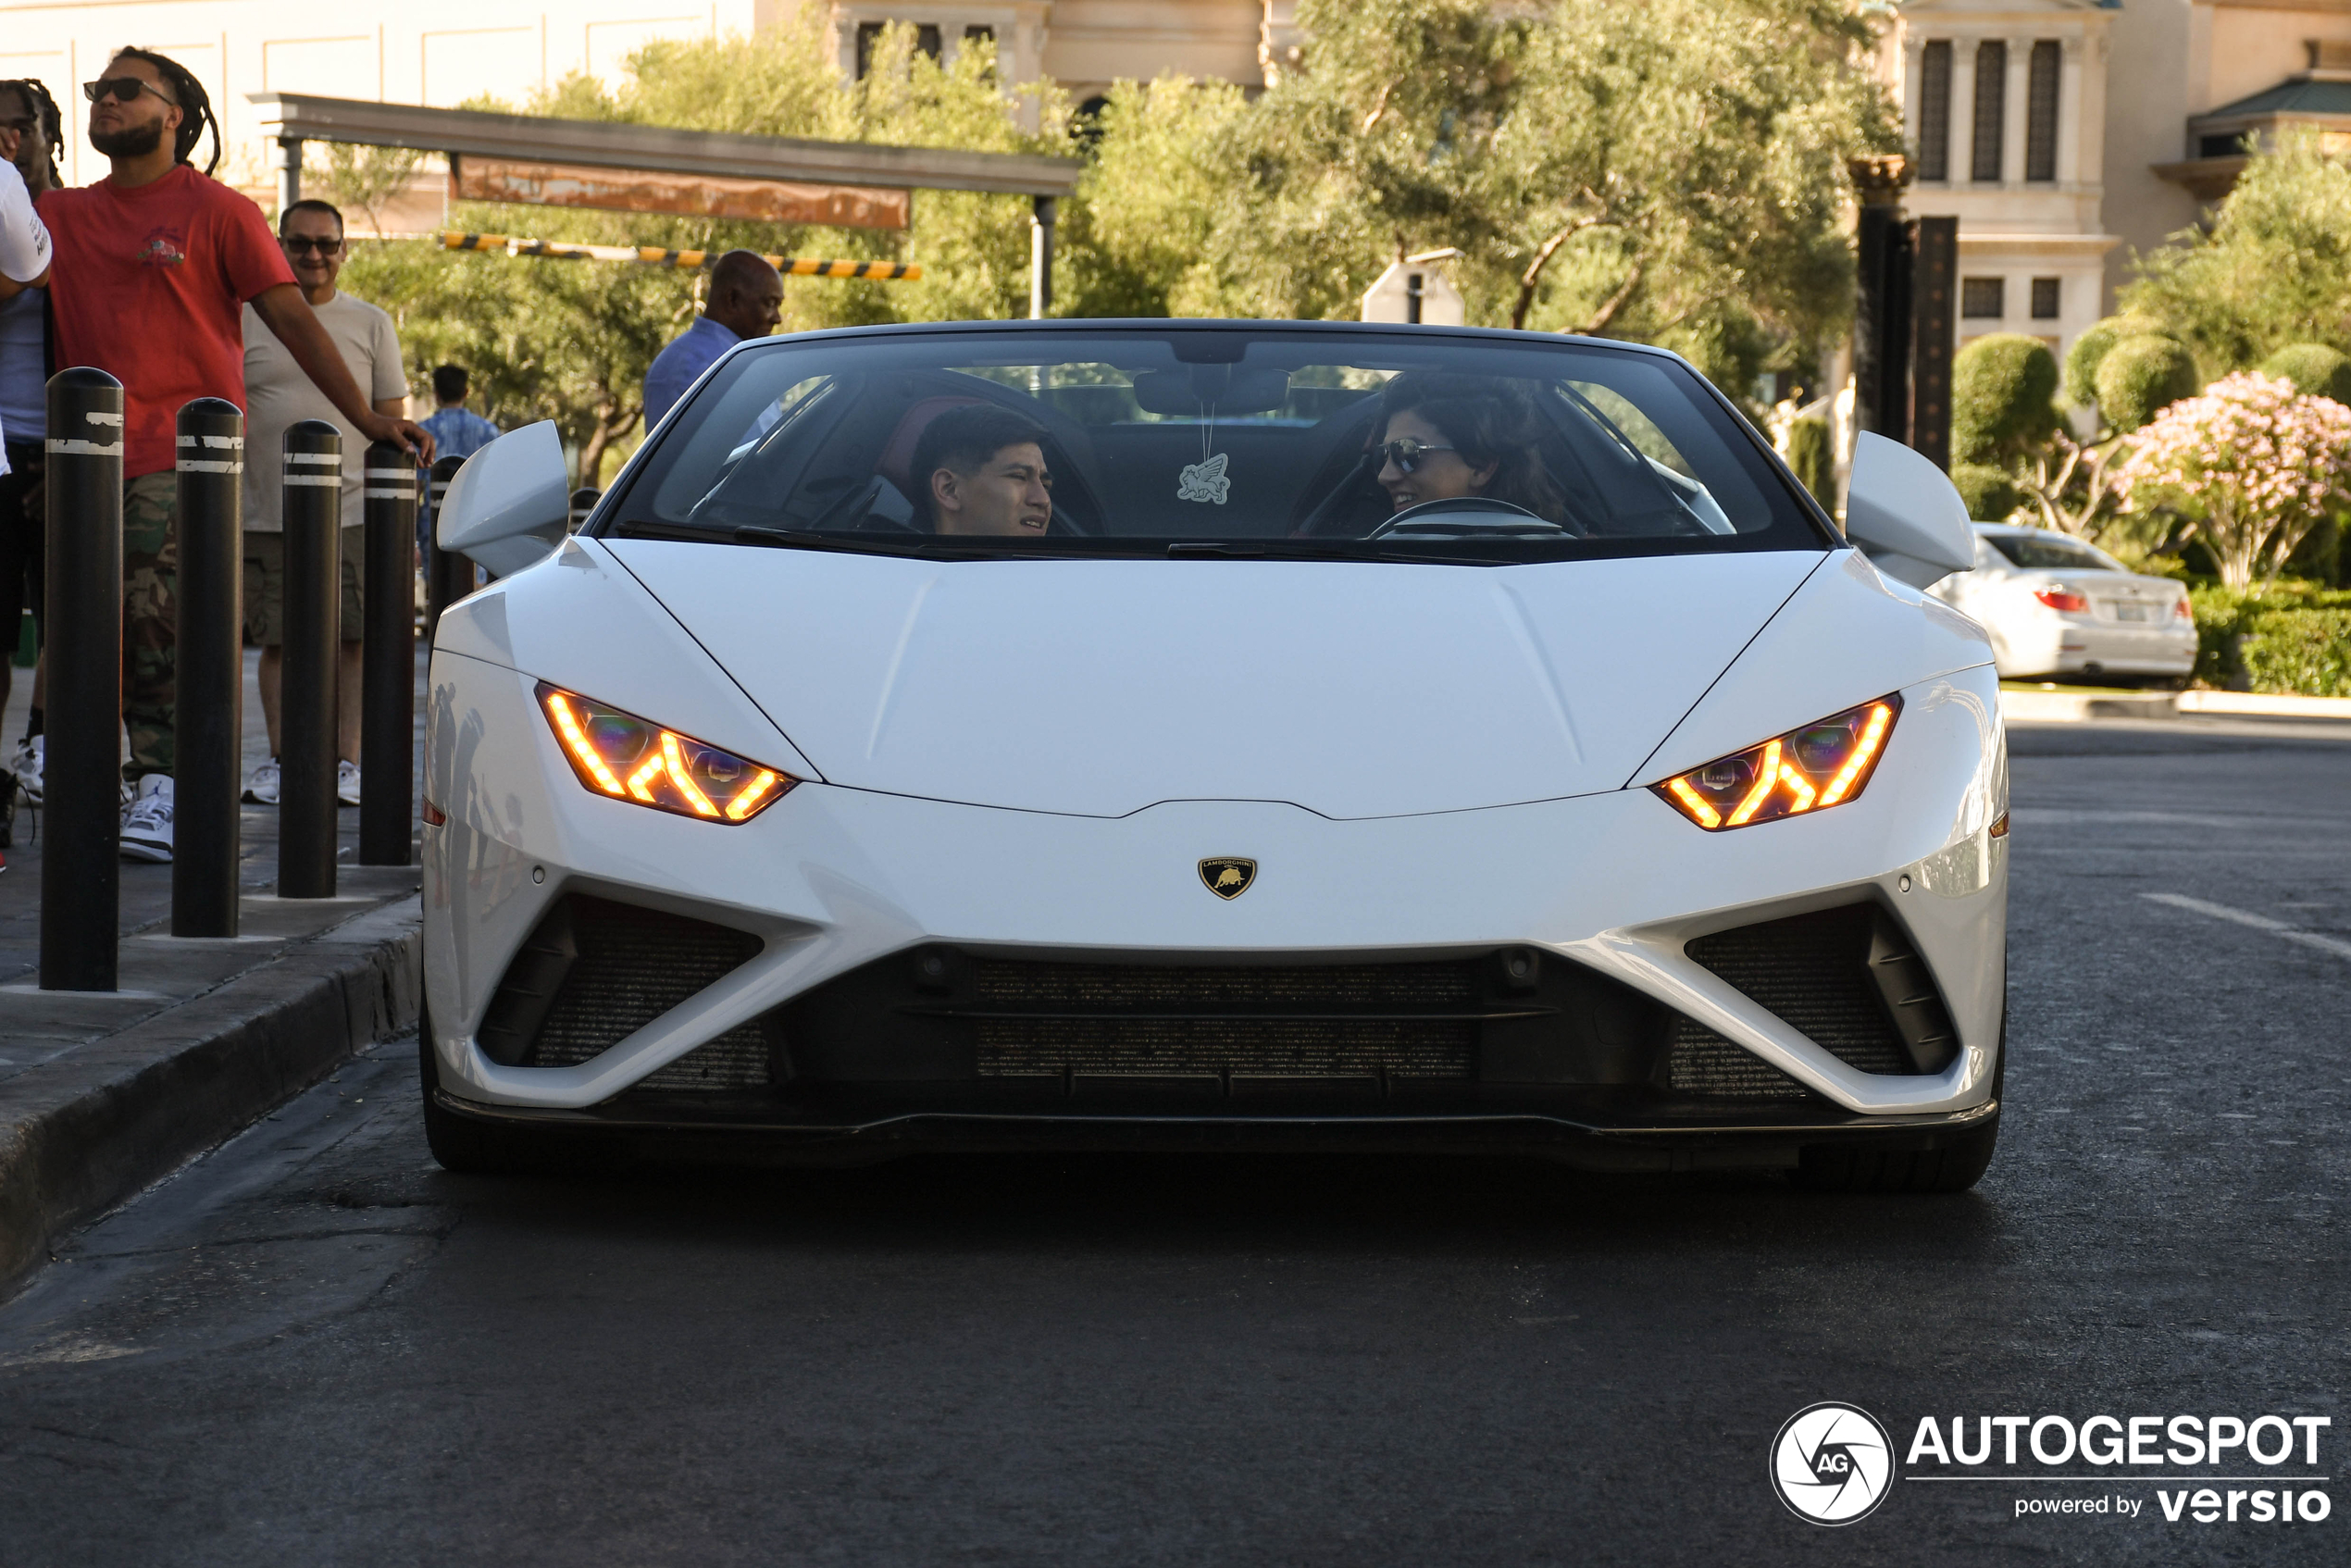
746	301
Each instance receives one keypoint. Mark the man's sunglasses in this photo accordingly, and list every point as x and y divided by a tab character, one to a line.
1407	455
299	246
124	88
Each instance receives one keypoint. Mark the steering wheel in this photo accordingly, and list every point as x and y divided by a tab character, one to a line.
1455	504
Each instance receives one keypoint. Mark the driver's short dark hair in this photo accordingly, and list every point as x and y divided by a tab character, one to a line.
964	440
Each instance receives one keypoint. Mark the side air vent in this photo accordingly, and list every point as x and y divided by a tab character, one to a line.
594	971
1848	979
1707	1066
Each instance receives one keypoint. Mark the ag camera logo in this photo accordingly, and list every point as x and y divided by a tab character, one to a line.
1832	1464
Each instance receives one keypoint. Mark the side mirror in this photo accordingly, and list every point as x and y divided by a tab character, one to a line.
1902	513
509	504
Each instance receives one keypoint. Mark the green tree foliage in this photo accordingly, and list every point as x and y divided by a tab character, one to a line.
2139	377
2273	269
1672	173
1812	457
1991	494
2314	369
571	340
2002	385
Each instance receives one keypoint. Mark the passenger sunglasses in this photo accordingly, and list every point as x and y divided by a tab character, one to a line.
125	88
299	246
1407	455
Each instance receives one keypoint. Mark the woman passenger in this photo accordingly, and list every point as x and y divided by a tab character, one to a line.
1443	437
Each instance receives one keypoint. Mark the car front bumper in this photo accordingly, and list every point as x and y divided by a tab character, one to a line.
832	880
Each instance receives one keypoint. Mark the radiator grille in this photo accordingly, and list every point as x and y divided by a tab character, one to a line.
1361	1020
1813	971
1707	1066
1213	1048
631	966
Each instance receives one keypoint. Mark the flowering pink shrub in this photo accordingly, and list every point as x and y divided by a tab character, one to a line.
2254	463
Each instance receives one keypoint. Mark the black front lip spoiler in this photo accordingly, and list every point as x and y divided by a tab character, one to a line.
1682	1145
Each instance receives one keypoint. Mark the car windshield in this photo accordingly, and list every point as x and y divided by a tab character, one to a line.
2052	553
1211	440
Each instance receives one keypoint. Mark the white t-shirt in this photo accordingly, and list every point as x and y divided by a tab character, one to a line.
24	243
278	394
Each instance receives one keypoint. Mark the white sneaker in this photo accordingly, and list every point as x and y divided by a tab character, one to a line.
261	789
146	826
347	783
26	765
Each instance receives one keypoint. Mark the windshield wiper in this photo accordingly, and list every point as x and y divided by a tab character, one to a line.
1325	549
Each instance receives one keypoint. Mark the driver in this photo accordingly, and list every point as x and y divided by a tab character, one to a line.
981	471
1444	437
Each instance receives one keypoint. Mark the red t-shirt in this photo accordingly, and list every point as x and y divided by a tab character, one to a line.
149	285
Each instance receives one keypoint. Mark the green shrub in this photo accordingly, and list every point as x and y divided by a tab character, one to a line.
2142	376
2298	650
2001	387
2315	369
2295	637
1811	453
2089	351
1990	493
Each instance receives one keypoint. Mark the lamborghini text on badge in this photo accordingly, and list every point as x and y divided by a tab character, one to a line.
1228	878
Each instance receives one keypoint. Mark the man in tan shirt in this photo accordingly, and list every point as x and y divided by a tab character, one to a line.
278	395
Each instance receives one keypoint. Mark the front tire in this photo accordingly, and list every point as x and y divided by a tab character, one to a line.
1952	1166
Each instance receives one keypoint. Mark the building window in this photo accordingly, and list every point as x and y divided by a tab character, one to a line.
1991	109
2045	299
1935	110
869	39
1981	298
2041	111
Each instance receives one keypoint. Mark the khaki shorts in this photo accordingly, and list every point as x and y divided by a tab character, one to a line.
266	586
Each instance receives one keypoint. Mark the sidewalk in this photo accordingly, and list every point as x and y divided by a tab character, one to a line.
103	1093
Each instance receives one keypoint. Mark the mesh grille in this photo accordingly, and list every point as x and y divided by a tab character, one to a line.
1298	988
1214	1047
1813	971
1704	1063
635	965
1341	1020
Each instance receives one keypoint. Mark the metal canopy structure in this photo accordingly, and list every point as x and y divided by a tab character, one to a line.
297	118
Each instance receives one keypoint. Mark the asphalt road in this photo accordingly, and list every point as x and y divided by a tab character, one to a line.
315	1347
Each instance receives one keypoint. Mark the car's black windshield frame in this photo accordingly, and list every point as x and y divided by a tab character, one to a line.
1792	519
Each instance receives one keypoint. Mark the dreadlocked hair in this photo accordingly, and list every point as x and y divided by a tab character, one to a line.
44	108
196	105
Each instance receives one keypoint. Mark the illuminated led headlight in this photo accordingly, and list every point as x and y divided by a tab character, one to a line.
619	754
1812	768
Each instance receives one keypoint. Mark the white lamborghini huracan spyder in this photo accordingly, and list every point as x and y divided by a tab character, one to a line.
1213	735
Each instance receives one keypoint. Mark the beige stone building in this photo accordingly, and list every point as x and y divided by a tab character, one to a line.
2066	135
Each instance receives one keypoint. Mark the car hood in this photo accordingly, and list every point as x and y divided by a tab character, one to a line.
1099	687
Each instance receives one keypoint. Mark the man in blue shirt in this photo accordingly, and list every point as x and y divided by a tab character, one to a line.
457	431
746	301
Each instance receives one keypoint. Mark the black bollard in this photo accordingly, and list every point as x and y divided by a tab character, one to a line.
583	501
449	576
388	662
313	514
209	709
80	871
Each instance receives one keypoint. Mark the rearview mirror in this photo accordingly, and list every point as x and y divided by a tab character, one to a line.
1902	513
511	502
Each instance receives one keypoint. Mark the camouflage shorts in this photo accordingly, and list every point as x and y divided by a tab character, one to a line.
150	618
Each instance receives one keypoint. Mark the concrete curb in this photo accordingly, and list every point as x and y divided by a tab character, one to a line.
2065	706
130	1109
2264	703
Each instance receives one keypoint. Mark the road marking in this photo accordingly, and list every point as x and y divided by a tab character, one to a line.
2335	945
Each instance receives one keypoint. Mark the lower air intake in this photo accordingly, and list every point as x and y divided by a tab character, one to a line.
1847	979
594	971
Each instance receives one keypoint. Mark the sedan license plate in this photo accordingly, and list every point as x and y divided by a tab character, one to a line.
2130	612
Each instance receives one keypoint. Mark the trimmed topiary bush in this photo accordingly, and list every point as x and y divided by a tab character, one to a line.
1990	493
2081	360
1811	453
2001	390
2142	376
2315	369
2306	652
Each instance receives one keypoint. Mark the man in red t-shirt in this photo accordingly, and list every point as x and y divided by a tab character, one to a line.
153	265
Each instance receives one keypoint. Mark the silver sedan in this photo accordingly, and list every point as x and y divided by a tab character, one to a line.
2056	605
